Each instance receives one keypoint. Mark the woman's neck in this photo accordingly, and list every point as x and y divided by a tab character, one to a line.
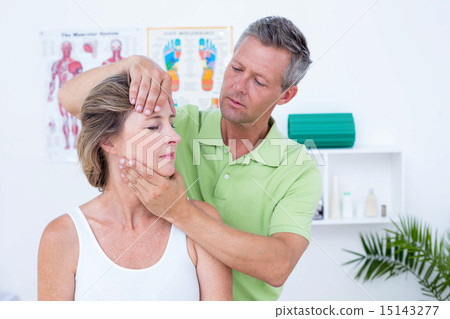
122	205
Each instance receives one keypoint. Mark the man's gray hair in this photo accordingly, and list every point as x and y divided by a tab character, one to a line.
281	33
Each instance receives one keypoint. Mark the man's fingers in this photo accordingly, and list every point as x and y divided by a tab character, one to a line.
131	175
144	88
160	93
137	190
142	169
134	88
150	86
128	173
155	91
147	173
139	172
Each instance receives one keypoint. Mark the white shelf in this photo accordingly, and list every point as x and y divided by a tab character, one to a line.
352	221
358	170
361	150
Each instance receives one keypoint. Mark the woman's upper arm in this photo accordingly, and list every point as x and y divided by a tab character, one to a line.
215	279
57	260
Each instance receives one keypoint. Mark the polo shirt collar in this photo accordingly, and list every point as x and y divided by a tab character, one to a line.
265	153
210	133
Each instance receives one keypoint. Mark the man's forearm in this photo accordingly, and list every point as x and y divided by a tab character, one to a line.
74	92
265	258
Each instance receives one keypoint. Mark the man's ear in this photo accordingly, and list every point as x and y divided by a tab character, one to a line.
288	95
107	144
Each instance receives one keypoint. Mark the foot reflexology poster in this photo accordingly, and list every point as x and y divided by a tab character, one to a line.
65	54
195	58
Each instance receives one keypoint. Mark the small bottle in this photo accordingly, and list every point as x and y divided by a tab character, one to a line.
359	208
371	204
318	214
383	210
347	205
335	205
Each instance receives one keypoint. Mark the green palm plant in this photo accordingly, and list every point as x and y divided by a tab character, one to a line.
412	246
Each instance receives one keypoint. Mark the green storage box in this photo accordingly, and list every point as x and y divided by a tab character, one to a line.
326	130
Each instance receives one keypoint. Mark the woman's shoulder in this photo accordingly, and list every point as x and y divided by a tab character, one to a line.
61	232
59	247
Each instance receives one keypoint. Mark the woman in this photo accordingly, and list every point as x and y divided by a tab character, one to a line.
112	247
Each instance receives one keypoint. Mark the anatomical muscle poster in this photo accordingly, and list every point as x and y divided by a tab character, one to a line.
65	54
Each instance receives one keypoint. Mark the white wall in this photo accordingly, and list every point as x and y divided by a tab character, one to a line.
390	69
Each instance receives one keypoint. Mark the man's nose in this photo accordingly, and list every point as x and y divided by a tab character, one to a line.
241	84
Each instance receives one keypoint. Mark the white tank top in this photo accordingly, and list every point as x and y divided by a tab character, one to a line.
173	277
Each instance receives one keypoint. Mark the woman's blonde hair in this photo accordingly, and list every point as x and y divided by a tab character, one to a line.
102	116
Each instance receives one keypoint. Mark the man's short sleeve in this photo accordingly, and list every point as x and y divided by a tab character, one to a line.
294	212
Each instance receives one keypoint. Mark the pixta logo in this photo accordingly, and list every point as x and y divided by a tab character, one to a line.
147	147
276	148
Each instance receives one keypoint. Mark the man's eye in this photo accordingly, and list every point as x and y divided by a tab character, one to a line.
236	69
259	83
152	128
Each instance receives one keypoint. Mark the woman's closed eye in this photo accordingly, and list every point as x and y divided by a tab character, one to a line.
156	127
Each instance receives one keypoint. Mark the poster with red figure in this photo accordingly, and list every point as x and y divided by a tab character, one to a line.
65	54
195	58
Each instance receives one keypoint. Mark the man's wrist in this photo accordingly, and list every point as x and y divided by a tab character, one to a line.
182	213
125	65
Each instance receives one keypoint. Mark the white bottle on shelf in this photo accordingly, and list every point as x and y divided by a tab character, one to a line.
347	205
371	204
335	205
359	208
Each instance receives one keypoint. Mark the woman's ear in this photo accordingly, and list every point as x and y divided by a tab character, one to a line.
107	144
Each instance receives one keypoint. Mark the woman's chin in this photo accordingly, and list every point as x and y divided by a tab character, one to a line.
166	171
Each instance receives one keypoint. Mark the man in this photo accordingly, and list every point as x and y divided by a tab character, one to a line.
265	187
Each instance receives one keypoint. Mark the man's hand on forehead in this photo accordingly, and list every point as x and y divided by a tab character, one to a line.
150	87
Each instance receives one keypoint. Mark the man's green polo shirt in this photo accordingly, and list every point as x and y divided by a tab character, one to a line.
275	188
